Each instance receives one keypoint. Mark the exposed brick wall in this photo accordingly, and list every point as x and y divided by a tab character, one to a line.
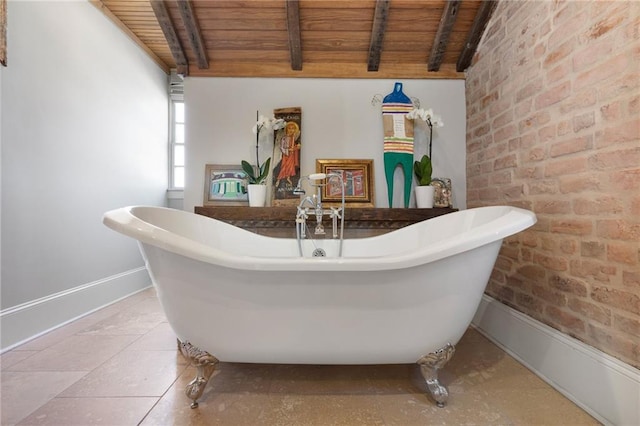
553	125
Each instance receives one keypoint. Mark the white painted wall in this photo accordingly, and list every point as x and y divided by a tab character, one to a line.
84	130
338	121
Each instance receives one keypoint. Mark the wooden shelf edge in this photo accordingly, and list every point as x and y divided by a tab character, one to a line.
373	217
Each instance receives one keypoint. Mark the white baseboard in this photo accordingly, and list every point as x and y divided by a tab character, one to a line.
603	386
26	321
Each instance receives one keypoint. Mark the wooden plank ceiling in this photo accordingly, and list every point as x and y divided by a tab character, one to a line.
306	38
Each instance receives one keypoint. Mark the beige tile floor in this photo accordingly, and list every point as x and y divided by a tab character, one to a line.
119	366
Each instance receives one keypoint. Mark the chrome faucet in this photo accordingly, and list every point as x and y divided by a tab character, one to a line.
314	203
302	214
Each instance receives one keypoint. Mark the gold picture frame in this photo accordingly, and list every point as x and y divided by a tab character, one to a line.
358	182
225	185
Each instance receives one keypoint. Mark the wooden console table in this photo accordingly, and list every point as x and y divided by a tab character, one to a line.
358	222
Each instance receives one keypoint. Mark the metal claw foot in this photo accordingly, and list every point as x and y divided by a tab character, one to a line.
429	366
206	365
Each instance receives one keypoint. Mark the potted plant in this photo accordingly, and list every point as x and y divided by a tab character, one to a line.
257	175
423	168
256	187
424	191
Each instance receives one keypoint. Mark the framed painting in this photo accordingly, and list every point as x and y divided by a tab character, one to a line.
357	176
225	185
287	145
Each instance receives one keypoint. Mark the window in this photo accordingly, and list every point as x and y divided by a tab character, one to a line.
176	131
177	144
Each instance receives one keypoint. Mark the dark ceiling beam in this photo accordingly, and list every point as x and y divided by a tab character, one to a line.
185	7
449	15
377	34
475	34
169	31
293	29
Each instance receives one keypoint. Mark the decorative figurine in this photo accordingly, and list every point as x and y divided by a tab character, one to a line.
398	140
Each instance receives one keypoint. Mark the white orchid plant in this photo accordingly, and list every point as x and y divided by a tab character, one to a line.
423	168
258	174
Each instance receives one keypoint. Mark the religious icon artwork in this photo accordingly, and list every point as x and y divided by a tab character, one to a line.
287	143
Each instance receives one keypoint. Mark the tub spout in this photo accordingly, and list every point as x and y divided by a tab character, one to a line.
429	366
310	200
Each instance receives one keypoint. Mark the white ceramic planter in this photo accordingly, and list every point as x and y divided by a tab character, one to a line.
257	195
424	196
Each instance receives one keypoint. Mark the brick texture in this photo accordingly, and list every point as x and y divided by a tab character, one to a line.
553	125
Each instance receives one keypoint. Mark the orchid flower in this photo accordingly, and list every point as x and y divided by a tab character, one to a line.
258	174
268	124
426	115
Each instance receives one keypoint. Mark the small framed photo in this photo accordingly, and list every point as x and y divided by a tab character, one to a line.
225	185
357	176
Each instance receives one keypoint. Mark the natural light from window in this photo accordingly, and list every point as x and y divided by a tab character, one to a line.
177	145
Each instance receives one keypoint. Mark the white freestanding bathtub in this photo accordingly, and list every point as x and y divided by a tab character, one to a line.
403	297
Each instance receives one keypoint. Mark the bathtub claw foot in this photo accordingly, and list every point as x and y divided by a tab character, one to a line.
205	364
429	366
